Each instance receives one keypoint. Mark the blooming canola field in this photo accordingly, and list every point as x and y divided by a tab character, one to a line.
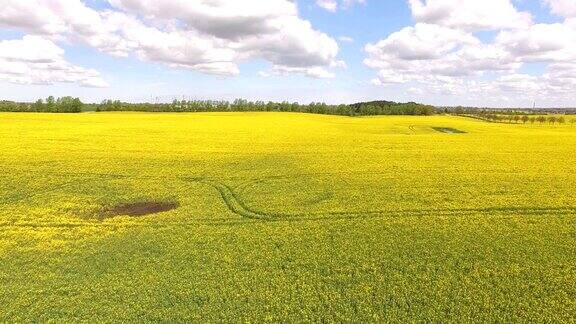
285	217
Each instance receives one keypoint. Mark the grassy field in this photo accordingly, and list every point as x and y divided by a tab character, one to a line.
283	216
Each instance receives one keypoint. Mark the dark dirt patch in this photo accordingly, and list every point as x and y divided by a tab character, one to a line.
139	209
448	130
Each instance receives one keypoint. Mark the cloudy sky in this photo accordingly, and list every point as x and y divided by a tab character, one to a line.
445	52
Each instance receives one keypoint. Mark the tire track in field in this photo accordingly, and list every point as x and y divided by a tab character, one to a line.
236	205
234	202
298	218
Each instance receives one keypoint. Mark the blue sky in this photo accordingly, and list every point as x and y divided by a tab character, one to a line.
507	74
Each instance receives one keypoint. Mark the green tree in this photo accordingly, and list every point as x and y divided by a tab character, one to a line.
77	105
38	106
50	104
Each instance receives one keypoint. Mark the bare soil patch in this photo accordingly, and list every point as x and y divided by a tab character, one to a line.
139	209
448	130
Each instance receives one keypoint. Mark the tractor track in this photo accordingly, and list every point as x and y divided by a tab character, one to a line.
234	202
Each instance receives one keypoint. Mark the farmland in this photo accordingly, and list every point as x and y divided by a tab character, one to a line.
285	217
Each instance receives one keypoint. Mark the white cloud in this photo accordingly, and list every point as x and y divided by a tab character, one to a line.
346	39
335	5
348	3
421	42
206	36
330	5
442	56
94	83
415	91
318	73
541	42
36	60
27	15
564	8
470	14
423	51
226	19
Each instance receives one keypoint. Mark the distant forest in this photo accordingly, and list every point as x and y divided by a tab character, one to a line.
489	113
60	105
69	104
372	108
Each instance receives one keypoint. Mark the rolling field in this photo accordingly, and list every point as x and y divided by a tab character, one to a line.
285	217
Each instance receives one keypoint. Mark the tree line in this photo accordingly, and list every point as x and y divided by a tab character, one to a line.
517	118
51	104
73	105
241	105
69	105
460	110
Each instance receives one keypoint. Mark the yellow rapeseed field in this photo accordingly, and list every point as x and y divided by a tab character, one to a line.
286	217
